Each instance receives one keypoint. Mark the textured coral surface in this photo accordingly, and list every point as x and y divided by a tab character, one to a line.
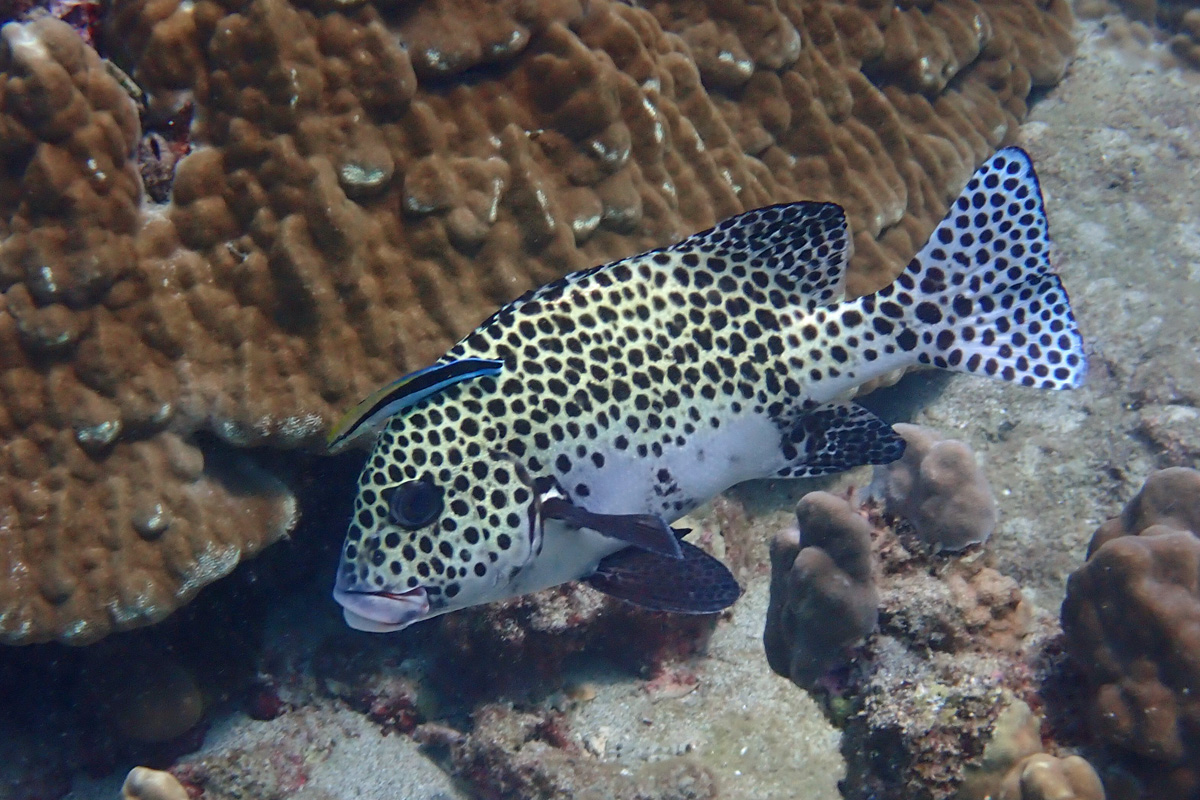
104	525
1045	777
823	596
952	650
938	487
1132	619
1014	768
367	182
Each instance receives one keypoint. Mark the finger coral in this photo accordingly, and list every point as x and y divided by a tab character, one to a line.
1132	621
365	182
823	596
938	487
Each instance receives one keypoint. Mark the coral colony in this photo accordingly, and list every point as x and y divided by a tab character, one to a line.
225	223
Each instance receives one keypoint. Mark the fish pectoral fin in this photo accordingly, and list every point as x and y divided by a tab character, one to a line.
646	532
837	437
404	393
697	583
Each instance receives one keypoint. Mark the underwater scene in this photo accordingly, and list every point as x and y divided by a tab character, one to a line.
600	400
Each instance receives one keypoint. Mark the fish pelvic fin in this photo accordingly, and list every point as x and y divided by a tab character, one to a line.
692	583
644	531
981	297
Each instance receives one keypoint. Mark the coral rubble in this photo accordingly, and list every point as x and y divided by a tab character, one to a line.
366	181
956	646
1132	621
523	642
512	753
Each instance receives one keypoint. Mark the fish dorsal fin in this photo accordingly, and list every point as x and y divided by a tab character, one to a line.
807	242
644	531
404	393
837	437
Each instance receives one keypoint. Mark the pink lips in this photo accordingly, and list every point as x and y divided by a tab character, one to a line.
382	612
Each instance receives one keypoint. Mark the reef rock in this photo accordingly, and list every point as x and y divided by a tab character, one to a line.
920	700
1013	766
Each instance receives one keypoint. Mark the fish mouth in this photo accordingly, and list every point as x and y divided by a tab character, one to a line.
382	612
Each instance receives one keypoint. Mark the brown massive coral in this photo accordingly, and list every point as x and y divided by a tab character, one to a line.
939	488
823	595
1132	620
108	516
369	181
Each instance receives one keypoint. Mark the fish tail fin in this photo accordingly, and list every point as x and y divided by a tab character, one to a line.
981	296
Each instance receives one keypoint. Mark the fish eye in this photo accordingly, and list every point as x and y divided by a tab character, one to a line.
415	504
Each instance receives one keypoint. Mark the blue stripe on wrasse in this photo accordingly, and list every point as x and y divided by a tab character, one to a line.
404	393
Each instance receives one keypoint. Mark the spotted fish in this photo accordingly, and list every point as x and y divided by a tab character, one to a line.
571	428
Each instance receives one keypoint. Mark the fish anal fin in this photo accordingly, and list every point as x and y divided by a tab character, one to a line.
696	583
647	532
837	437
